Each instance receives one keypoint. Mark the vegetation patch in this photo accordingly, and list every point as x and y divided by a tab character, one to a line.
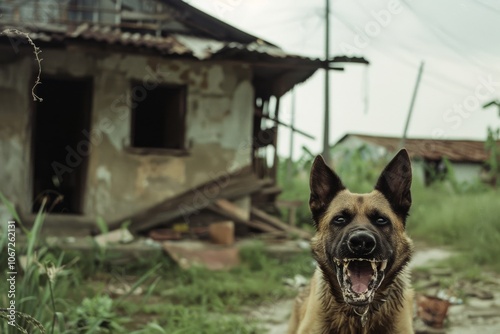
68	293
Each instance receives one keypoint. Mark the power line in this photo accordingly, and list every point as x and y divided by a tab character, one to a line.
443	77
403	61
436	27
430	79
488	7
278	24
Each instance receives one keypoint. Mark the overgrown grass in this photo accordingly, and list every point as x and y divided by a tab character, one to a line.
76	298
43	283
32	294
200	299
466	221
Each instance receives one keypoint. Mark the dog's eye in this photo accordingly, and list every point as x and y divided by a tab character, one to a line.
381	221
339	220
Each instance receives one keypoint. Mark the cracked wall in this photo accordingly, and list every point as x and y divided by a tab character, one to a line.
120	181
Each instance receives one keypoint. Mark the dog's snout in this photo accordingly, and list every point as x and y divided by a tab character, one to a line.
361	243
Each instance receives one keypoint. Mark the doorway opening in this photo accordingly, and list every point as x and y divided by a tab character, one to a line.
61	126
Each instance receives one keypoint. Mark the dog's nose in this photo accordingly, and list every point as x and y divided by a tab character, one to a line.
361	243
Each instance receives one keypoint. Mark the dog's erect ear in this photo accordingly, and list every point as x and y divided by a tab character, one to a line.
324	185
395	183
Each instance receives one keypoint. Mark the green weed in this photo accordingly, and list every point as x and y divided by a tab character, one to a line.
467	221
198	300
44	284
66	299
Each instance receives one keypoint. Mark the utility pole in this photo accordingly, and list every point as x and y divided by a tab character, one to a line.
292	130
326	129
412	103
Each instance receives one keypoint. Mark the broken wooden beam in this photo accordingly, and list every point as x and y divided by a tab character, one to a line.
230	186
278	223
231	211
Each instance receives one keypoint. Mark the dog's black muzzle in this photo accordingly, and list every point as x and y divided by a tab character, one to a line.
360	263
361	243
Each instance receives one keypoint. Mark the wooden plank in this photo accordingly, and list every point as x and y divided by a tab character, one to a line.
231	208
230	215
276	222
231	186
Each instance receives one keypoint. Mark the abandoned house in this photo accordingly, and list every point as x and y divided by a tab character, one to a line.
151	111
467	158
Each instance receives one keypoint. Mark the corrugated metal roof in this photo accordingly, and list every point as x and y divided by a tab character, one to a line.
173	44
166	26
432	149
106	35
176	29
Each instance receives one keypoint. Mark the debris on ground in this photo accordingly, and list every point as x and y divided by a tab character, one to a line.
121	235
296	282
196	253
432	310
222	233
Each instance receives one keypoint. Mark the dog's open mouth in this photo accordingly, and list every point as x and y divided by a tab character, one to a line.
359	278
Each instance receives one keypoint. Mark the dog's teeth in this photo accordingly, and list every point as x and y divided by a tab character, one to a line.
383	265
374	266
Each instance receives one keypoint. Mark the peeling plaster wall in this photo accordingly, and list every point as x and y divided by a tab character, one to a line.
15	102
119	182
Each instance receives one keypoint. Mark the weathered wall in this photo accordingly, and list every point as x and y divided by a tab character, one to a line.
120	182
15	101
466	172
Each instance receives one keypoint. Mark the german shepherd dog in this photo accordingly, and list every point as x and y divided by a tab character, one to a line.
361	284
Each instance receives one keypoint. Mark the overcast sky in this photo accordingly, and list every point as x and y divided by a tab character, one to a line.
458	40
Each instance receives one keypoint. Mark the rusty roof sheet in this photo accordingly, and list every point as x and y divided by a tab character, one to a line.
275	71
171	44
177	44
105	35
432	149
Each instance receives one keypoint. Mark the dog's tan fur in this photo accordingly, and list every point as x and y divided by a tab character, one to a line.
320	309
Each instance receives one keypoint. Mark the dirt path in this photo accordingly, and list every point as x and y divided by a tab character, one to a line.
479	314
480	310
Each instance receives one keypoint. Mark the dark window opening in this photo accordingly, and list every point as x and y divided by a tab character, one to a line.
435	171
60	144
158	117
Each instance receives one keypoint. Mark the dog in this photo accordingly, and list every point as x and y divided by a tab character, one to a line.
361	283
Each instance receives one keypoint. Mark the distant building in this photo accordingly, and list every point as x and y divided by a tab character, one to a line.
467	157
143	102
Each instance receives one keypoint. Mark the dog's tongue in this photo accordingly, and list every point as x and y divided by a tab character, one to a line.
360	273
